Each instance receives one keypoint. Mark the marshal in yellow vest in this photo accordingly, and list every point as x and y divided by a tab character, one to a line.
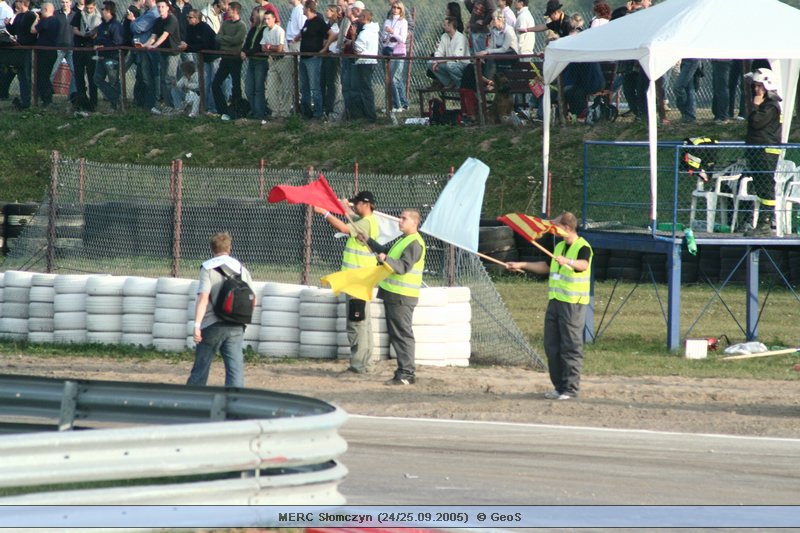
565	284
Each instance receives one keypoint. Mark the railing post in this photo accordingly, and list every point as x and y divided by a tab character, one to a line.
52	213
355	178
479	90
261	179
177	203
295	83
201	81
307	234
81	179
123	80
387	85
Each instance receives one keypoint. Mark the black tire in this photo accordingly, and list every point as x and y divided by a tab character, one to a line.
625	273
508	255
495	239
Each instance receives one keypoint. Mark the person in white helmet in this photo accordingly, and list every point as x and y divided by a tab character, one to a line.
764	128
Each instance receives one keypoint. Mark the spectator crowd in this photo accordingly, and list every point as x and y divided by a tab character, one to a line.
172	47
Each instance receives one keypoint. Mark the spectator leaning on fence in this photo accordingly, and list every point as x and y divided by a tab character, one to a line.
279	75
230	39
452	43
7	13
66	14
395	33
212	334
526	40
47	30
257	65
366	45
85	31
109	35
559	22
166	37
347	36
200	37
148	62
213	15
312	40
181	10
295	25
22	60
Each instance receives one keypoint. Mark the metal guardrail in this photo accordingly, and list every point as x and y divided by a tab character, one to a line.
254	446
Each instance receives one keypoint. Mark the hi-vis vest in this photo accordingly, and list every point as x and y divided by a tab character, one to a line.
357	255
565	284
407	284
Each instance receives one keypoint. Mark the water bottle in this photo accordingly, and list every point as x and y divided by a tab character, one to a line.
691	244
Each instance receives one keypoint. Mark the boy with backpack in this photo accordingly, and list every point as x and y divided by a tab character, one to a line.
219	327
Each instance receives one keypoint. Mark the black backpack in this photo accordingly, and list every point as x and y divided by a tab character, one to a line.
236	300
601	110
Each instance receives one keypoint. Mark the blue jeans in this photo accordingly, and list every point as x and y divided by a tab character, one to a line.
106	77
254	81
479	42
210	68
226	339
151	76
310	90
720	72
683	88
398	70
328	74
347	93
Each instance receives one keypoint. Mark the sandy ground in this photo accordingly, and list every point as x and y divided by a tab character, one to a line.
724	406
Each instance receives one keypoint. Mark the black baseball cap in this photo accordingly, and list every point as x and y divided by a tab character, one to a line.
363	196
552	7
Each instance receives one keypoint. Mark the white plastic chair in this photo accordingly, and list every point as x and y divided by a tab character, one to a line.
784	172
791	197
712	197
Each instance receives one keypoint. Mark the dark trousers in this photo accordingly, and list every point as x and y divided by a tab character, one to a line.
47	58
18	63
84	70
328	76
563	344
401	336
228	66
364	99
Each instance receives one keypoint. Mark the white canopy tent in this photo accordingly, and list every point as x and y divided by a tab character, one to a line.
659	36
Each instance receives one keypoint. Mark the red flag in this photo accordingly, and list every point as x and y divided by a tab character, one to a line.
532	228
318	193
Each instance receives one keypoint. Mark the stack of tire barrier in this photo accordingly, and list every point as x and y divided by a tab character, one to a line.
442	340
104	296
170	315
252	333
497	241
318	313
138	310
280	320
15	218
16	298
69	309
40	309
190	309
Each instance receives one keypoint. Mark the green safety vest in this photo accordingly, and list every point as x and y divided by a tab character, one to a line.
356	254
407	284
565	284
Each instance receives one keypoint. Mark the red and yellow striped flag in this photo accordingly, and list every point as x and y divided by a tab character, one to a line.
532	228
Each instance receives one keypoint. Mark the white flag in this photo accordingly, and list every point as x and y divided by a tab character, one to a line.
387	226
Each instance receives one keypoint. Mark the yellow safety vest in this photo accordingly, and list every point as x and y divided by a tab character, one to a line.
567	285
407	284
356	254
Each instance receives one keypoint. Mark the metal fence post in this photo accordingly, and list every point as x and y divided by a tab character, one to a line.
201	81
261	179
81	179
51	213
450	266
307	234
123	80
177	203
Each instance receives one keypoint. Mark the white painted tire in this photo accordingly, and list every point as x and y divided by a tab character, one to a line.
15	310
430	316
459	312
377	310
279	349
341	339
104	305
282	289
69	302
432	350
458	295
17	278
379	325
69	336
281	303
315	323
103	323
318	295
136	323
40	310
144	340
14	326
258	289
313	309
169	345
73	320
273	334
316	351
140	305
459	350
41	294
166	285
451	333
104	337
252	332
105	285
139	286
41	337
41	325
343	352
71	284
432	297
171	301
18	295
442	362
322	338
280	319
170	316
166	330
43	279
252	344
255	321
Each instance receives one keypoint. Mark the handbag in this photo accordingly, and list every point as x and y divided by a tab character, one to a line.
387	51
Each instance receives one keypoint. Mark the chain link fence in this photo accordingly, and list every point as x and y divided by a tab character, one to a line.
156	221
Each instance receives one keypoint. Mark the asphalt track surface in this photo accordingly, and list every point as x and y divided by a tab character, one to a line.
395	461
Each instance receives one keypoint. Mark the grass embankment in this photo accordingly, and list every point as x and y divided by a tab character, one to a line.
634	343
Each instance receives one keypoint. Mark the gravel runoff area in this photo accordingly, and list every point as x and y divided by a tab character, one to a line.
721	406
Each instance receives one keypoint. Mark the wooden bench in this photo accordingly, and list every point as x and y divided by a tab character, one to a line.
445	94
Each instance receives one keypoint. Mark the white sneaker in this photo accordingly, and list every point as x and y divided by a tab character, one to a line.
552	394
155	111
226	118
564	397
263	122
192	115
